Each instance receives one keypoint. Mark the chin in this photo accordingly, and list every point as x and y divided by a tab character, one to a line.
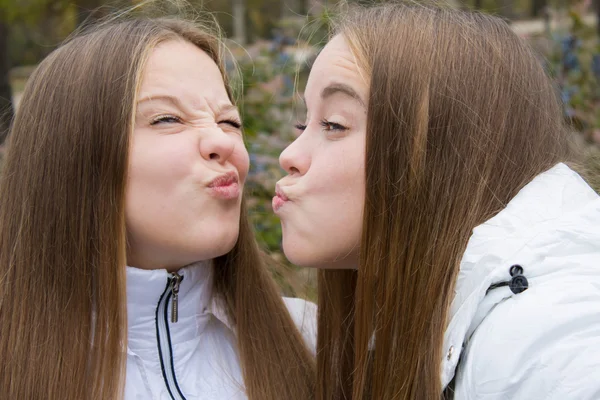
315	257
296	259
303	256
317	262
225	240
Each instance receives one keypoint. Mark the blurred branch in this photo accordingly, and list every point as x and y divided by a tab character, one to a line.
597	9
6	109
239	21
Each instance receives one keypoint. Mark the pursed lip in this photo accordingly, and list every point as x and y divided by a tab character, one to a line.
280	193
224	180
279	199
225	186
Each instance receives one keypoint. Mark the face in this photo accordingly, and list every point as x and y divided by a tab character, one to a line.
320	201
187	160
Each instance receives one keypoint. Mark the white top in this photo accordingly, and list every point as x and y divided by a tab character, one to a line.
543	343
195	357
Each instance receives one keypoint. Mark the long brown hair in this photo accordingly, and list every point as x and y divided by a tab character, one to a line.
461	116
63	325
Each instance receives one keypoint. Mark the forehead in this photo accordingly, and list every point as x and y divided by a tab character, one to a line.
337	63
180	67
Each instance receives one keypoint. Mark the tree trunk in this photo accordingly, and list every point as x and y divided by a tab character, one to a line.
597	9
537	7
6	108
239	21
303	7
478	4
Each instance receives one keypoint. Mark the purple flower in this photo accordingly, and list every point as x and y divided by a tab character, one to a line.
570	61
596	65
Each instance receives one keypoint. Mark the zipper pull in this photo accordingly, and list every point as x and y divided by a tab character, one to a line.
175	281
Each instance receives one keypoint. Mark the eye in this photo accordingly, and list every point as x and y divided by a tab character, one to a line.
332	126
165	119
232	122
300	127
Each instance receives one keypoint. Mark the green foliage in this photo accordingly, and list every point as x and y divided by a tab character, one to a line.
35	36
29	11
271	73
37	26
267	106
591	166
575	63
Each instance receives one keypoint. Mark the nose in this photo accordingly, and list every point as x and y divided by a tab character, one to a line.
295	159
217	146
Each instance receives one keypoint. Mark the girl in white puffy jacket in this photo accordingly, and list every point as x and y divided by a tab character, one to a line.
460	254
127	149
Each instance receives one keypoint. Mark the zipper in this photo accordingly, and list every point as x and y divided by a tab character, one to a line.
163	335
175	281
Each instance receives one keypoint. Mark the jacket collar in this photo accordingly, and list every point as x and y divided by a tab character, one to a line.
144	290
534	220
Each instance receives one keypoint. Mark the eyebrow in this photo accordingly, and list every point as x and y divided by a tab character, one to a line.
221	109
341	88
168	99
225	108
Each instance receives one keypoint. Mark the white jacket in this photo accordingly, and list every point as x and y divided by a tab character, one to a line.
195	357
542	343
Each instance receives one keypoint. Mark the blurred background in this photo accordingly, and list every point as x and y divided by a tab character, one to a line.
274	42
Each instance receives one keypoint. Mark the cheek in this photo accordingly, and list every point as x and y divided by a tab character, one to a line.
157	178
326	231
325	225
337	172
158	163
338	199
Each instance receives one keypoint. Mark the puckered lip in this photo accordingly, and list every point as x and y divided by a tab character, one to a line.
226	179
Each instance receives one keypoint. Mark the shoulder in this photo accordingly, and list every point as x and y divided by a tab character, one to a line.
541	344
304	315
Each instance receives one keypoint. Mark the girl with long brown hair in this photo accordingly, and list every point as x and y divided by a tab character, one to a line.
127	150
459	254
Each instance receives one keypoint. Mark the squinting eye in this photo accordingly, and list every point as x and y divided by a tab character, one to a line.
232	122
332	126
166	119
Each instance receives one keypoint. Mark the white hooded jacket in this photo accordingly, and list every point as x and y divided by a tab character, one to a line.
195	357
544	342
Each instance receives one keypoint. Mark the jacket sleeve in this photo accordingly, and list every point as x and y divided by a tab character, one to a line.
542	344
304	315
